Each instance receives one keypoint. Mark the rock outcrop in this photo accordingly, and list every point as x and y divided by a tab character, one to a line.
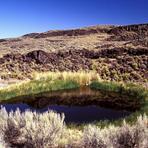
111	64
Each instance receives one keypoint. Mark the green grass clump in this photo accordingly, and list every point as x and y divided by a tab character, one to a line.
35	87
108	86
131	90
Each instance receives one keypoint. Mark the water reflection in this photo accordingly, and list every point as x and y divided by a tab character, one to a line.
78	105
75	114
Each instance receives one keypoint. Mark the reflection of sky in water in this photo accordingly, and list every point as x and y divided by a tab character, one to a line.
77	114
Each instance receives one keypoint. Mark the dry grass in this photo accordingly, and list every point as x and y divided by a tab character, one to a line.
81	77
44	82
53	43
48	81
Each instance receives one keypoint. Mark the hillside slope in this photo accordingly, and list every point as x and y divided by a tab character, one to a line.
117	53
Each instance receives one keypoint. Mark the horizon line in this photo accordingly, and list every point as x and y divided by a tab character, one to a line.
71	28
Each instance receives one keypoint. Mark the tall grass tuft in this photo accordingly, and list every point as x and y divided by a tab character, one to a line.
81	77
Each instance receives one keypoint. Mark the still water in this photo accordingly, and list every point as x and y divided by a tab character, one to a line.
82	105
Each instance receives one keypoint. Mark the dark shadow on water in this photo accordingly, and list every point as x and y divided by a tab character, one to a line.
78	105
76	114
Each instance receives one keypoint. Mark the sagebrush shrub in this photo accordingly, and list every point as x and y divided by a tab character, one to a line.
30	129
3	143
93	138
123	138
45	130
34	130
126	136
135	136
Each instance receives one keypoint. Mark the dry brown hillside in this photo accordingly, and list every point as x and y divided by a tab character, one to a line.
117	53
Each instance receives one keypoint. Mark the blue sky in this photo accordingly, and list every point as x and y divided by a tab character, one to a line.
18	17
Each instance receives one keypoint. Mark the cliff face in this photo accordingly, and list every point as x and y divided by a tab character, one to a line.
116	52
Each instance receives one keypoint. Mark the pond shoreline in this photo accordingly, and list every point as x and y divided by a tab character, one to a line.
66	81
82	96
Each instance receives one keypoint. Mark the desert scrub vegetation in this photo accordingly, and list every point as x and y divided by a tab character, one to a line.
30	129
48	130
125	136
2	143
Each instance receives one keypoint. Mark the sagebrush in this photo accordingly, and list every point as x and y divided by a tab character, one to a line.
126	136
48	130
30	129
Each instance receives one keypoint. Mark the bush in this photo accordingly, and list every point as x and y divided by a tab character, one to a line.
47	130
135	136
31	130
126	136
2	143
93	138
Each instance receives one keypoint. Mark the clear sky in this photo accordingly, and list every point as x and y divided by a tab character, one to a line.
18	17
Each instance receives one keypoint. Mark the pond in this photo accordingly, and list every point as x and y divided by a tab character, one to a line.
83	105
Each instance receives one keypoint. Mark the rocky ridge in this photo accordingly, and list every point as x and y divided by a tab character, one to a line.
117	53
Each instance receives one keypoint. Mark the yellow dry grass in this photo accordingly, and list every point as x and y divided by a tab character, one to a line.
81	77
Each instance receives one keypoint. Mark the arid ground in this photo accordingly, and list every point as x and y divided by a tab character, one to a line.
116	53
